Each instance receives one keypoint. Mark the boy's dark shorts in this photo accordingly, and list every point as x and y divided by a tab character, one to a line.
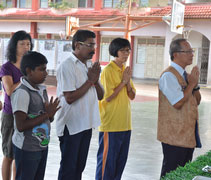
7	129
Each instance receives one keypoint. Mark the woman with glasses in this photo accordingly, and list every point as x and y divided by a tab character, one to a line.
115	112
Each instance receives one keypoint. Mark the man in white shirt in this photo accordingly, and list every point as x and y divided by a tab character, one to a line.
79	90
179	98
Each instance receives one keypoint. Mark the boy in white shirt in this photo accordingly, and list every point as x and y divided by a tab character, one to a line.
33	114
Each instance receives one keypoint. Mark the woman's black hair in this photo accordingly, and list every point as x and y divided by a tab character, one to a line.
12	46
117	44
32	60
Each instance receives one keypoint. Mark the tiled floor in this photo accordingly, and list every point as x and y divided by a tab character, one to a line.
145	156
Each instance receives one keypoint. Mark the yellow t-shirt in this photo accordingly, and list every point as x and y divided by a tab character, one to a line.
116	114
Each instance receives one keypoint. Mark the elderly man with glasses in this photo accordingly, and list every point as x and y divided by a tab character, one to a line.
179	98
79	91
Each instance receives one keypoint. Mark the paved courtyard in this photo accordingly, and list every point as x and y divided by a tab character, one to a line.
145	156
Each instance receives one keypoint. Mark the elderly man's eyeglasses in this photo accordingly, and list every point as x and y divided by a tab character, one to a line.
189	52
90	45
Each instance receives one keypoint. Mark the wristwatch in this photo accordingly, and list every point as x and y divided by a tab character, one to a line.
196	88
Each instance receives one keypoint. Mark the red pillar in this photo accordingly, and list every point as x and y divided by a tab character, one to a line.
98	5
49	36
132	52
33	32
14	3
35	5
97	50
90	3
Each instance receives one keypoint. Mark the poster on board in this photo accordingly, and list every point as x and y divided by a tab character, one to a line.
47	48
64	49
5	43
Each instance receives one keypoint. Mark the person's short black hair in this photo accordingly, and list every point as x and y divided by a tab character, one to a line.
117	44
175	46
12	46
82	35
32	60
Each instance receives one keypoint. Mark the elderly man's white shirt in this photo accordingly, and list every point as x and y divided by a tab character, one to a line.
82	114
170	86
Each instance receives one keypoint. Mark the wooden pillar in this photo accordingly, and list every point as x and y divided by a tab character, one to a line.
98	5
35	5
33	32
128	23
49	36
97	50
132	52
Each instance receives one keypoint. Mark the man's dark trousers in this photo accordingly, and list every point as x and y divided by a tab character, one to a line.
174	156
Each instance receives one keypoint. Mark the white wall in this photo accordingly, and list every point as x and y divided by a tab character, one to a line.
52	28
157	29
8	27
204	27
138	69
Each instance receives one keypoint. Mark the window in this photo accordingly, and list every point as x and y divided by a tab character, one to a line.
113	3
86	3
104	51
144	3
24	3
41	36
145	45
6	3
43	3
5	35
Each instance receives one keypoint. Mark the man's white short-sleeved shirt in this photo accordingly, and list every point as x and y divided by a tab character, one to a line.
82	114
170	86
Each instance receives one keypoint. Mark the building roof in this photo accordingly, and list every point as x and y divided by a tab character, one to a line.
192	11
51	13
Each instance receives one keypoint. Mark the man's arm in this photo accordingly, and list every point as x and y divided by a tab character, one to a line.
100	90
72	96
93	76
192	82
187	93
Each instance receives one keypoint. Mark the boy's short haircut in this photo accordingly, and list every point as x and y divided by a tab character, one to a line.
32	60
82	35
117	44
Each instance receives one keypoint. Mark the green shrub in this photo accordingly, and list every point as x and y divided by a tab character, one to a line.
191	169
2	7
61	5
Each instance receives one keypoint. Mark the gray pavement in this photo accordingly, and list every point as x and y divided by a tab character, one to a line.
145	155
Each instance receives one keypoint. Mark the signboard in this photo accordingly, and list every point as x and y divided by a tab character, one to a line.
177	17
